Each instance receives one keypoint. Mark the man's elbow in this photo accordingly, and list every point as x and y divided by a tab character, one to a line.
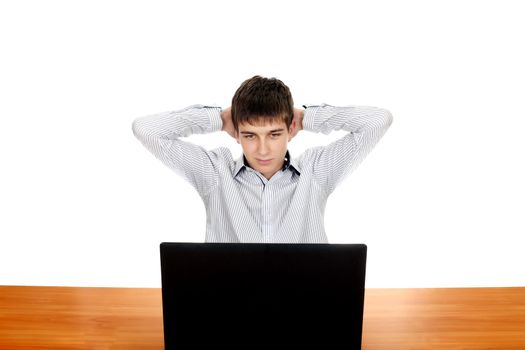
139	129
387	118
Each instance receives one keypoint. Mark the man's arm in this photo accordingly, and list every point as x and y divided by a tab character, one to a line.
365	126
161	133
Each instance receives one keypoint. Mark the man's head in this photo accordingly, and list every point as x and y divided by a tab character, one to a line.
262	114
262	100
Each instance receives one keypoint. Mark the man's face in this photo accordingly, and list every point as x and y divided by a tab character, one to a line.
264	145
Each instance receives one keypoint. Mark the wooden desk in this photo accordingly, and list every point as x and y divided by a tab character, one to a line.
131	318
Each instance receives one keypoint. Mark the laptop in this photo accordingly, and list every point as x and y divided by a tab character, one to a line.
262	296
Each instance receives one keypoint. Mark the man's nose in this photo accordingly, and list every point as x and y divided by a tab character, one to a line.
263	147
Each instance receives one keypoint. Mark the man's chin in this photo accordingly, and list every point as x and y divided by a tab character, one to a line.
266	171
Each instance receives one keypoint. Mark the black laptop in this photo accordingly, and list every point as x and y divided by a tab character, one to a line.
262	296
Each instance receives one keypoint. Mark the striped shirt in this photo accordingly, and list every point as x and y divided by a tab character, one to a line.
241	204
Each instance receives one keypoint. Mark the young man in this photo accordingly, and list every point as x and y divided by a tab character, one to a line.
266	195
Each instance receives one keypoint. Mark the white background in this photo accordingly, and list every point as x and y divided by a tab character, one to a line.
439	201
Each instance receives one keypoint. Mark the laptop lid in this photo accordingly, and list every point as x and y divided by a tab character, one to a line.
254	296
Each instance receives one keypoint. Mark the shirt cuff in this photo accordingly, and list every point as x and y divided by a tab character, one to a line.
310	112
214	115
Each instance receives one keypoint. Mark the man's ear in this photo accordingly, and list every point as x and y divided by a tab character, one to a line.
291	130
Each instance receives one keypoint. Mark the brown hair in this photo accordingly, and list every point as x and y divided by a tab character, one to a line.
260	99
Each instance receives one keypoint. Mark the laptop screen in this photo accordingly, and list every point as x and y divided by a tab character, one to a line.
246	296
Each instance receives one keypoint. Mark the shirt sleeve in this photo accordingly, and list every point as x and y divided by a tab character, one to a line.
160	134
365	126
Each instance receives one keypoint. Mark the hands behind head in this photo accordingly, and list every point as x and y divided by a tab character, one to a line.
297	122
227	124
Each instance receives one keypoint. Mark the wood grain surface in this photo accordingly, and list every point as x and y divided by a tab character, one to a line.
131	318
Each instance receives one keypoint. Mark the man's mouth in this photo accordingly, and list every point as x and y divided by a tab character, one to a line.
263	161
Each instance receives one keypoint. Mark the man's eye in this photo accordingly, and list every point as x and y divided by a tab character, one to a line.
276	135
248	136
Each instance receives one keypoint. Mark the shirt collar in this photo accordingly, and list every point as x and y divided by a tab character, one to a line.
242	163
289	163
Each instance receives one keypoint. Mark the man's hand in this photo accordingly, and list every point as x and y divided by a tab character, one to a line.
227	124
297	122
